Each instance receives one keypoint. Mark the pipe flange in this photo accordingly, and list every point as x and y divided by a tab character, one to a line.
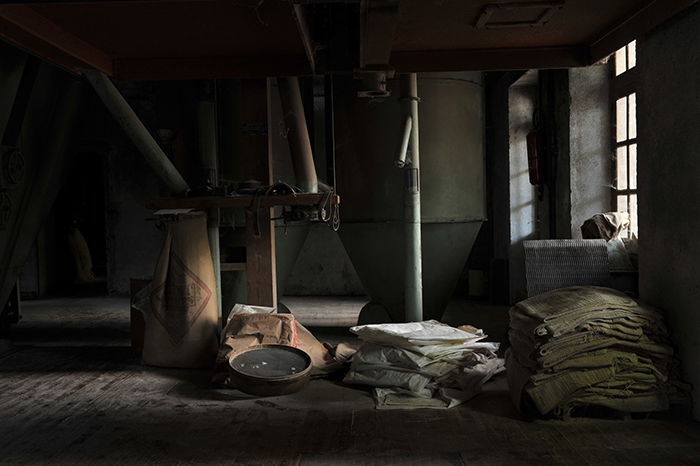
13	166
5	209
373	82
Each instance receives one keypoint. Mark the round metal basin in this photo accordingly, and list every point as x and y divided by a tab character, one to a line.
269	370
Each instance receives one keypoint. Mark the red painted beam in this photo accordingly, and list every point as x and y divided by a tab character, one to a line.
489	59
259	66
23	27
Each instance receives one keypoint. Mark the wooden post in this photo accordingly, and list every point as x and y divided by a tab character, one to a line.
260	258
261	269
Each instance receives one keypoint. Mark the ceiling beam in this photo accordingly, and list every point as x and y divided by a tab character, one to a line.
88	2
489	59
28	30
257	66
636	25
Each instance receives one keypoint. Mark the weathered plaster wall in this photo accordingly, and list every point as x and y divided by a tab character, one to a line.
133	242
497	227
523	195
669	188
558	103
589	144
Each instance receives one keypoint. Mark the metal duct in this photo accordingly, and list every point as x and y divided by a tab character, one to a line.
208	151
137	132
51	112
298	134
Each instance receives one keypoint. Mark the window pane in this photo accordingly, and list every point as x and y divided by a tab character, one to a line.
632	109
622	206
621	119
633	166
620	62
622	203
632	54
621	168
634	227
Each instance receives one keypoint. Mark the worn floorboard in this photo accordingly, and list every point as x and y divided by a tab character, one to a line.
65	398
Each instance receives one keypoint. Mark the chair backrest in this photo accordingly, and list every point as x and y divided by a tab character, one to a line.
558	263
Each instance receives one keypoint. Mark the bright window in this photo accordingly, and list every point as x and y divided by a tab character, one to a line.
626	58
625	134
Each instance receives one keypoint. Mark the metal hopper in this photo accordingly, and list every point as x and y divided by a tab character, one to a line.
368	136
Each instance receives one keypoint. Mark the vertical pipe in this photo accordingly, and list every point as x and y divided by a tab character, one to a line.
136	131
298	134
414	262
329	108
206	118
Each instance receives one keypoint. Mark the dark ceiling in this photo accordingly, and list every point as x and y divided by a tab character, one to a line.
186	39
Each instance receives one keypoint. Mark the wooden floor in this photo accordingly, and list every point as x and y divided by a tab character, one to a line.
66	402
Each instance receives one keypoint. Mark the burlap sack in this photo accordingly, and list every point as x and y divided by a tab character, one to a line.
181	311
255	325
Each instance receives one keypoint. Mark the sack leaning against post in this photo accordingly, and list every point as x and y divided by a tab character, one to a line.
181	309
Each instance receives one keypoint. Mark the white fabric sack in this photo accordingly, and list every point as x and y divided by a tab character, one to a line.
423	364
444	398
250	309
471	379
371	354
456	352
430	332
430	338
387	376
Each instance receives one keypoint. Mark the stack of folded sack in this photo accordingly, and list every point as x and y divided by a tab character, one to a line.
423	364
581	347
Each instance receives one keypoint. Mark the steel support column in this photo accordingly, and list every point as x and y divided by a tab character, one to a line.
414	261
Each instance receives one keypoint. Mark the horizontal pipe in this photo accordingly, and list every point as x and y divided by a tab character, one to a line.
298	134
136	131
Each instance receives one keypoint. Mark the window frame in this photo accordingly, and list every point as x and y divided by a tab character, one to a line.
624	85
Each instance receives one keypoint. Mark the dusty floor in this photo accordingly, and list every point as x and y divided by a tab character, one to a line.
72	392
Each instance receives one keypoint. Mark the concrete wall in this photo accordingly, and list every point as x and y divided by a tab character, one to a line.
668	113
497	227
323	268
133	242
575	134
41	273
590	150
523	195
577	123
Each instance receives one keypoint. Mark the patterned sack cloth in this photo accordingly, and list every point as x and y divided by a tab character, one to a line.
179	305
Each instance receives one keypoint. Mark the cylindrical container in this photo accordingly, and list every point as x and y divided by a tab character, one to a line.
368	137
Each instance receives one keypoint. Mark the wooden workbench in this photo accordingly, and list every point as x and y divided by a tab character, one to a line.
260	264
